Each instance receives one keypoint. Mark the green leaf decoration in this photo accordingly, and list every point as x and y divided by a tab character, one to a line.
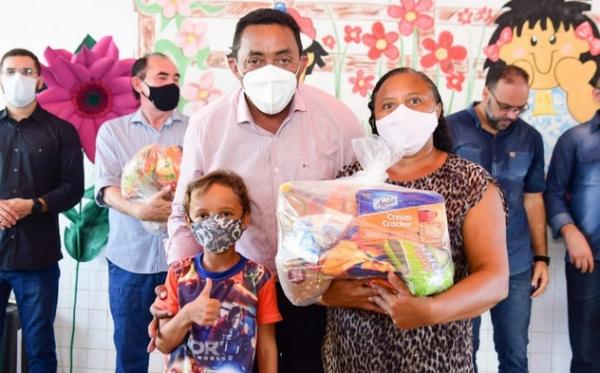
201	57
208	8
178	19
87	41
87	234
147	8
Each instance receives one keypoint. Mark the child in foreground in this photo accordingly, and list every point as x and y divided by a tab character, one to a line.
224	305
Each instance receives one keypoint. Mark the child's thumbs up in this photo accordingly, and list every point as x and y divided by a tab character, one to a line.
203	310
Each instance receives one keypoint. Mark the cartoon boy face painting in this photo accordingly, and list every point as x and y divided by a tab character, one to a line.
559	46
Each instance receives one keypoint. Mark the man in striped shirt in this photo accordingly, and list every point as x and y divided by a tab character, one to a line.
136	260
271	130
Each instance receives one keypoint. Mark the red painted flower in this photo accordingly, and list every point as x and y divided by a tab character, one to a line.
361	83
442	52
329	41
465	16
454	81
352	34
381	42
411	15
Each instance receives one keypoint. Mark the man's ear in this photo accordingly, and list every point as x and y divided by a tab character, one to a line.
137	85
233	67
39	84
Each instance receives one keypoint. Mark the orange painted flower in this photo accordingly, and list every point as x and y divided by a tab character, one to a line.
443	52
411	15
381	42
361	83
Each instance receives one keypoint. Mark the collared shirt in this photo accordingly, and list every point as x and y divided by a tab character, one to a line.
573	183
130	246
514	157
40	157
312	143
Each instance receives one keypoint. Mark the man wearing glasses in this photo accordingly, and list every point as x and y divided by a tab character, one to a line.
491	134
41	175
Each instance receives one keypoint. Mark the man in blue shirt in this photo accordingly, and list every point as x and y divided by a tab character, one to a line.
573	200
136	258
491	134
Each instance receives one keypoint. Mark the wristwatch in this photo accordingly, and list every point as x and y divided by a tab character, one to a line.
541	258
37	207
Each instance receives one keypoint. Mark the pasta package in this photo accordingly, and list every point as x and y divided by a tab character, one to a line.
352	228
147	172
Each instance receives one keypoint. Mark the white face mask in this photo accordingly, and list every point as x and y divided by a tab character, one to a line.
270	88
19	90
405	130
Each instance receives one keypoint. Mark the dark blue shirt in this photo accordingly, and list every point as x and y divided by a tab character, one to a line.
573	183
40	157
515	158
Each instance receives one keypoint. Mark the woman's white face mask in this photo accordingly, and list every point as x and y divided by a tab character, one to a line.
406	130
270	88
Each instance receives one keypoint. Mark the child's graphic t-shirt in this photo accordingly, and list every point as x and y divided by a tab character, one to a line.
247	295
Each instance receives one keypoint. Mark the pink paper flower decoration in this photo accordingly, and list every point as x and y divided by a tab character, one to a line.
88	88
381	42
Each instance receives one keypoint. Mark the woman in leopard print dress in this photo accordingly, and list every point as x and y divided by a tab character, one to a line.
374	329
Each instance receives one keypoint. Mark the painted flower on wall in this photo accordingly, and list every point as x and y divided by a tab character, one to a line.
361	83
329	41
352	34
191	37
454	81
171	8
200	93
88	88
464	16
381	42
442	52
485	15
411	15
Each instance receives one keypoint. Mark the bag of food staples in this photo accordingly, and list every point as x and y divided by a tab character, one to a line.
361	227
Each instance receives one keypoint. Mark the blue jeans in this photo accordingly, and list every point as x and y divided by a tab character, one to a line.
583	304
37	294
510	319
130	295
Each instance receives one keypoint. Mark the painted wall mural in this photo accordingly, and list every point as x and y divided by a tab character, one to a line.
350	44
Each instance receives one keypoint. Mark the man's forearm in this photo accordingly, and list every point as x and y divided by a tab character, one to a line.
114	199
536	217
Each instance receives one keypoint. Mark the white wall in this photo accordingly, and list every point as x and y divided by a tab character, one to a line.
34	24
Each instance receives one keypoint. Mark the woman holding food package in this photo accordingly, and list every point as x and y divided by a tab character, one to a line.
378	327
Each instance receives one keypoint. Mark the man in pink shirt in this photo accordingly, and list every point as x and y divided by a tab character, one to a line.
270	130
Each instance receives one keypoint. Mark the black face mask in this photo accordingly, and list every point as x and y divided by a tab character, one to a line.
164	97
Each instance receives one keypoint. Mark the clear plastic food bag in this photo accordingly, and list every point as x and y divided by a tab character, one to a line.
151	168
361	227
